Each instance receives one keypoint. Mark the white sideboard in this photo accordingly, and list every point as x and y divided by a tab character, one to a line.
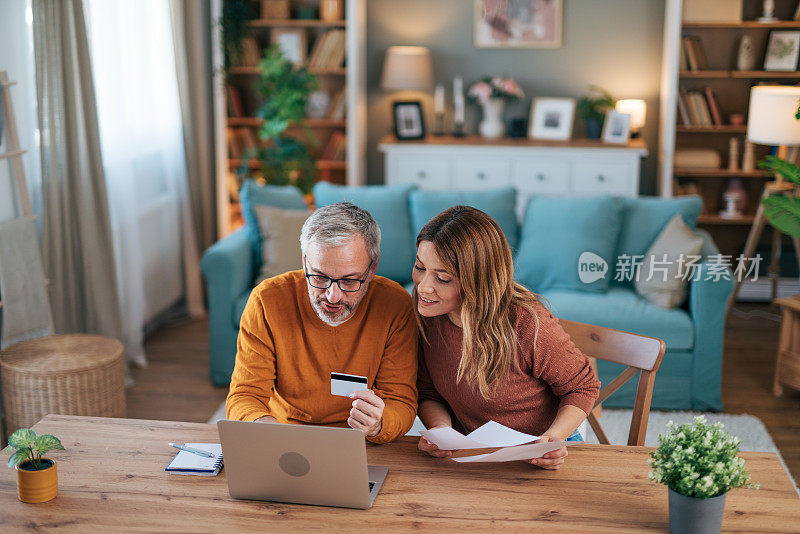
580	167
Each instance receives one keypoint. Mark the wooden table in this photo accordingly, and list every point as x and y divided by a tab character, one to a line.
787	368
111	478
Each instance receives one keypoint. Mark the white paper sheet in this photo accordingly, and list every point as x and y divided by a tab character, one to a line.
492	434
520	452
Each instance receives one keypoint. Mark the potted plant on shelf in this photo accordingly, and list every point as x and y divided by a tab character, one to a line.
37	477
699	464
492	93
284	89
783	211
592	110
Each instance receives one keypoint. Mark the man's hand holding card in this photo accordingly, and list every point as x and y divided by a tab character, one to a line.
367	411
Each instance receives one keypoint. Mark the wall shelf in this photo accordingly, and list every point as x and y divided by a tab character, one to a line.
739	74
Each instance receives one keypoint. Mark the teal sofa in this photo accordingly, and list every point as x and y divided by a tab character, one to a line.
551	230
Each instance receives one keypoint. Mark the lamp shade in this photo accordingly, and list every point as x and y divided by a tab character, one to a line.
407	68
634	107
771	117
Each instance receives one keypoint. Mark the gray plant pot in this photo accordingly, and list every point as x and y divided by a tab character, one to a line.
690	515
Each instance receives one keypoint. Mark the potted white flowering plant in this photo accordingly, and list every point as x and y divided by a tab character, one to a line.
699	464
492	92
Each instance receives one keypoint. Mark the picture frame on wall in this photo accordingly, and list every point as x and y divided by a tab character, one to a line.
292	42
518	23
408	120
616	127
783	49
552	118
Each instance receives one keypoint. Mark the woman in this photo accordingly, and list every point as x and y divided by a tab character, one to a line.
489	348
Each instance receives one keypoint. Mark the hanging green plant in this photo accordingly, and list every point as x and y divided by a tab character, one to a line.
783	211
234	25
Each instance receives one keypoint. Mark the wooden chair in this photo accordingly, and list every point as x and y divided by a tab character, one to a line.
641	354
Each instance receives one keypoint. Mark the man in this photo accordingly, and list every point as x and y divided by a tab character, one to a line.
333	316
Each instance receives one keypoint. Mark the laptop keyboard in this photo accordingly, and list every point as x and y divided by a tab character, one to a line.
371	485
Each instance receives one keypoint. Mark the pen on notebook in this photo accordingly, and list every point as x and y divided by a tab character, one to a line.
192	450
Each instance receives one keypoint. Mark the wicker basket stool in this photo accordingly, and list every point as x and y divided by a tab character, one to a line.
72	374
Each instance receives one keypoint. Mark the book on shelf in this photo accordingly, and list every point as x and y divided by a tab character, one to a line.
249	141
683	63
235	103
695	55
698	109
336	149
338	105
683	112
328	51
234	146
251	53
713	105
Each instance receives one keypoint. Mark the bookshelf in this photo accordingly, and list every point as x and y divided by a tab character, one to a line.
338	135
730	89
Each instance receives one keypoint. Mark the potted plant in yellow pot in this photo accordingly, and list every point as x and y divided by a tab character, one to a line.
699	464
37	477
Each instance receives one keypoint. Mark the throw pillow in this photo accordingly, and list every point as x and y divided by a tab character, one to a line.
569	243
388	205
660	279
280	239
499	204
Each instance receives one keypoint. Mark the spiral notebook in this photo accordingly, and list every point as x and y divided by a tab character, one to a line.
187	463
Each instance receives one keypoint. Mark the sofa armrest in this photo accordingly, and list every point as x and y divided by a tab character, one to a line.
708	297
228	267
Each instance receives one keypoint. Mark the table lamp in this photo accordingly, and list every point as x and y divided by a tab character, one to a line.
637	109
407	68
771	118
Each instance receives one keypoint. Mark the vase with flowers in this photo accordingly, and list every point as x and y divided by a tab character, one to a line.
699	464
492	93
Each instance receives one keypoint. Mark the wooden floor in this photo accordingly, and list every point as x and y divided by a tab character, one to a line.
175	385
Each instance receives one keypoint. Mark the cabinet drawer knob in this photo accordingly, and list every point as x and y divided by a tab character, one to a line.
540	177
422	175
601	178
481	176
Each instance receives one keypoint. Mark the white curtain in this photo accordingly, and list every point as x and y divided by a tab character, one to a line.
143	156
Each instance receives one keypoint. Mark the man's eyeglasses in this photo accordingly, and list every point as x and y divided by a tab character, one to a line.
348	285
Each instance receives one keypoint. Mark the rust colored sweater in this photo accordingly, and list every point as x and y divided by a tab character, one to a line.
555	374
286	353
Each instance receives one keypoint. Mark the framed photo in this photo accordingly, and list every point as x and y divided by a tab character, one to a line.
408	121
292	42
518	23
782	50
551	118
616	127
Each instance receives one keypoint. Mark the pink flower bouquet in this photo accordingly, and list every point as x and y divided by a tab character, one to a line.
490	87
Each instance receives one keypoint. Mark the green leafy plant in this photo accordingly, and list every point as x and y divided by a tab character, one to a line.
783	211
284	89
699	460
233	23
31	447
594	105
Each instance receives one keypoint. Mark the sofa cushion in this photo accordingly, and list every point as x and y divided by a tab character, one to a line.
388	205
284	197
566	242
280	237
499	204
643	218
622	309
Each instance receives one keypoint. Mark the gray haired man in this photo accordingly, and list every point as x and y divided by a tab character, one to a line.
334	316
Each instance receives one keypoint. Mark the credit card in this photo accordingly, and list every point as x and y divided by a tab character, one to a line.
343	384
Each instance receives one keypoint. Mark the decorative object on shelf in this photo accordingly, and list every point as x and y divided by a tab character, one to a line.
318	104
306	13
616	127
746	56
699	464
438	110
712	11
284	89
734	199
518	127
697	158
736	119
749	157
782	51
769	12
458	107
733	154
37	476
637	109
407	68
331	10
592	110
275	9
531	24
292	42
408	120
492	93
552	118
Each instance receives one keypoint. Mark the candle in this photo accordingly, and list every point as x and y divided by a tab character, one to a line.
438	100
458	99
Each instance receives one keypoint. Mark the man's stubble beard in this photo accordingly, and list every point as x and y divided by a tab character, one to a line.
337	318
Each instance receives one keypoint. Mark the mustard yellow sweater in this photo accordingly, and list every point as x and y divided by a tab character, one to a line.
286	353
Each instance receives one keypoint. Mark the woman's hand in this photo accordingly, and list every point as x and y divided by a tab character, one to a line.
426	446
553	459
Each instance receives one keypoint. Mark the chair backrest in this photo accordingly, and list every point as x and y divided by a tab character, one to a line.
641	354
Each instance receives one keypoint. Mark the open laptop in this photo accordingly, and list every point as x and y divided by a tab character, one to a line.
299	464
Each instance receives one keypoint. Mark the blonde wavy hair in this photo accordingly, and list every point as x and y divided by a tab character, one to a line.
473	248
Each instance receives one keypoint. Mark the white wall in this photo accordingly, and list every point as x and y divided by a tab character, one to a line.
16	58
